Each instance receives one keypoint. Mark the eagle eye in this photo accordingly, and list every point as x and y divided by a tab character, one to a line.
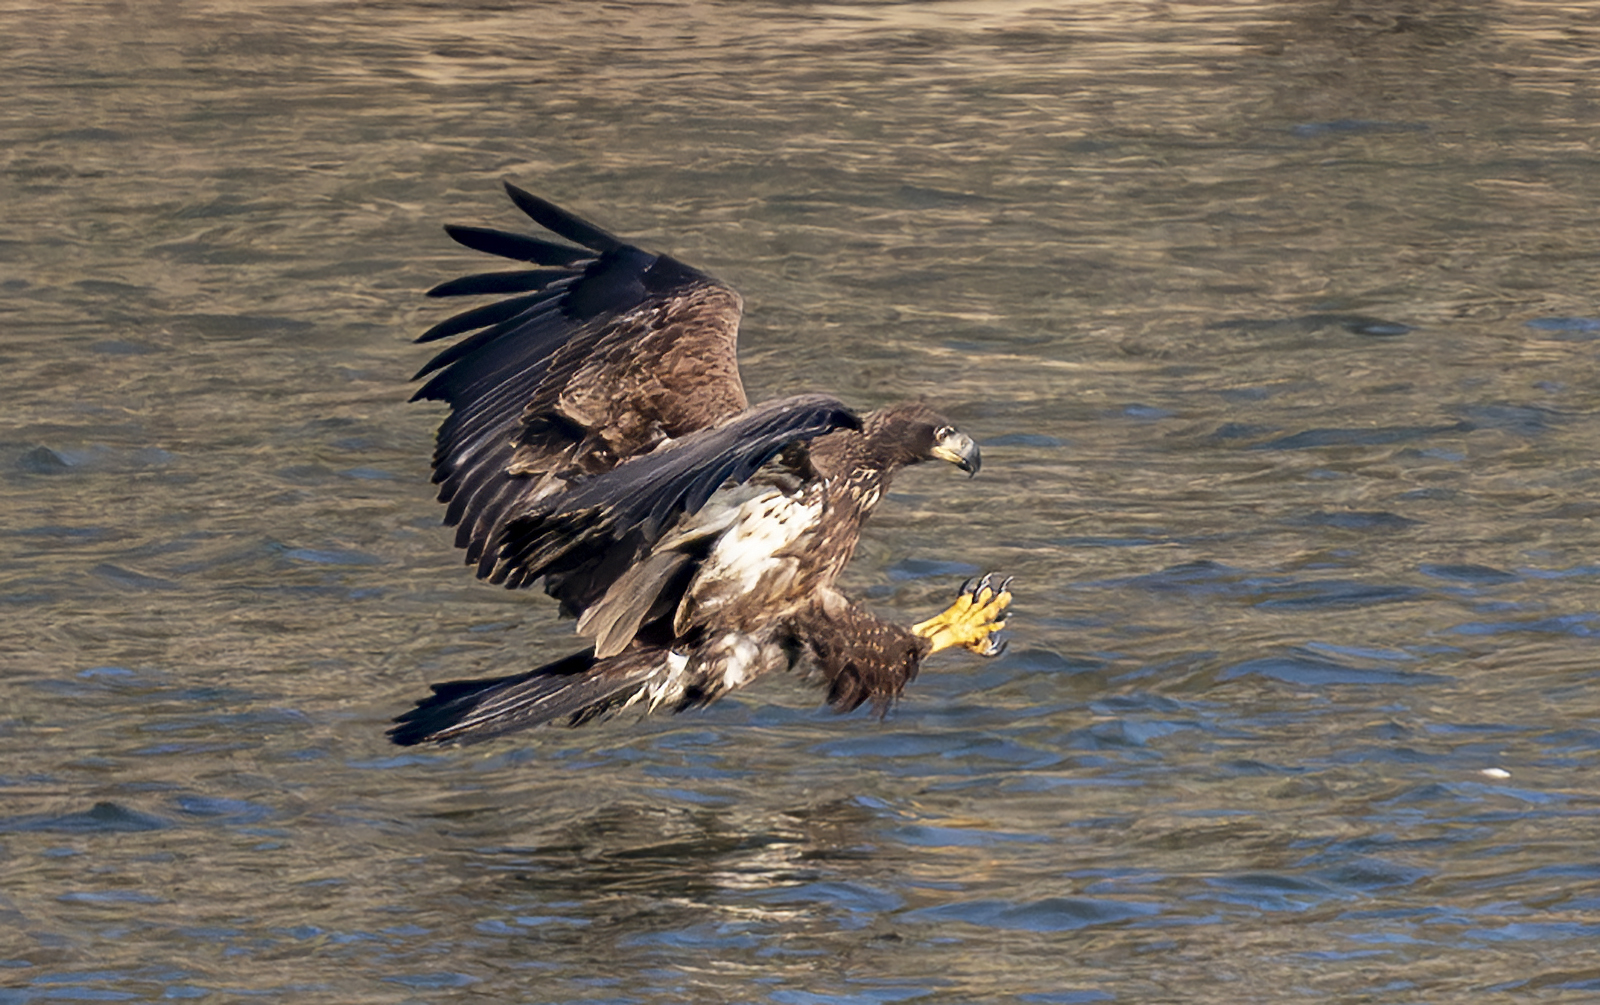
942	432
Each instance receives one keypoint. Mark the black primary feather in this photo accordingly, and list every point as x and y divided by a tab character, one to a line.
558	221
482	317
517	247
525	281
636	502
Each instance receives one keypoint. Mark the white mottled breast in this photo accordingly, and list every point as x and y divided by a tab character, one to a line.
761	543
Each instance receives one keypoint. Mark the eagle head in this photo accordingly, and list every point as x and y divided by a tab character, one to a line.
916	433
951	444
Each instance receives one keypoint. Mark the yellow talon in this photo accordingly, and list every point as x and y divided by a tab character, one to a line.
970	621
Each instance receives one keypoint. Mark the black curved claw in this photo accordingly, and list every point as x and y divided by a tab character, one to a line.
986	583
1005	583
965	583
995	650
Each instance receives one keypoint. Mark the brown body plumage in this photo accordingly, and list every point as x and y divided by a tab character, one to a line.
600	441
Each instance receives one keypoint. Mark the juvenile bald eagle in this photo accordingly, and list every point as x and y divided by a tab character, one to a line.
599	440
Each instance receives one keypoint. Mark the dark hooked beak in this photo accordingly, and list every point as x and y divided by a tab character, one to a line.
959	449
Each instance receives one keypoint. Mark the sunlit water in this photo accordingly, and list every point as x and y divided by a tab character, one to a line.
1278	326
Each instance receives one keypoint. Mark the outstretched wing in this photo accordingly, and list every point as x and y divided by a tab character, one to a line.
584	539
603	352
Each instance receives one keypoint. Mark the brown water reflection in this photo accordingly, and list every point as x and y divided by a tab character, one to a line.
1278	325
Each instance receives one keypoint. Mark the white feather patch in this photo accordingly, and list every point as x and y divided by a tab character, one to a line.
667	685
754	546
743	660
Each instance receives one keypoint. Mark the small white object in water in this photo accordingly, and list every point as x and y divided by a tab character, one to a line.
1496	772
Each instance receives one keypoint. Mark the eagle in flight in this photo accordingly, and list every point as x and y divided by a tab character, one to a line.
599	440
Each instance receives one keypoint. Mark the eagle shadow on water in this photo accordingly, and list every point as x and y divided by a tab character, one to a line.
599	440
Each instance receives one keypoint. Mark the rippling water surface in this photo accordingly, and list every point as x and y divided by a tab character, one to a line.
1277	323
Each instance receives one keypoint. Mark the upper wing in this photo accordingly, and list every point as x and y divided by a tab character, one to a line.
603	352
582	540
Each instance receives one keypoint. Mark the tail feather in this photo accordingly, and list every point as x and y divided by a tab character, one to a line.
575	689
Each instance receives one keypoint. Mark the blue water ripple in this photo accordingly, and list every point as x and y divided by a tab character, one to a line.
1571	329
1319	593
1310	671
1239	430
1523	420
1353	520
1138	411
1359	652
131	580
720	938
1579	625
1268	891
1575	572
332	556
1053	914
866	996
1466	572
109	897
1136	702
925	568
101	818
1202	576
1369	875
233	811
1534	931
930	836
1101	541
78	994
1359	436
856	898
370	474
1023	440
437	981
1046	661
